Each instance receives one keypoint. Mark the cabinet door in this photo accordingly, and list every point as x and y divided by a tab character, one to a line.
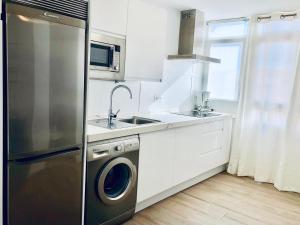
197	150
226	141
109	16
146	41
155	163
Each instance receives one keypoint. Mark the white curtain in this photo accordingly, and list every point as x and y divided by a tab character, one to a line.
266	142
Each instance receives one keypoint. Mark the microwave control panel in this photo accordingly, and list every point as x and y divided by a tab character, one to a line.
116	58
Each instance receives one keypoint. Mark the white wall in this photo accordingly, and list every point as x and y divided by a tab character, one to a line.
175	93
181	80
99	98
224	106
220	9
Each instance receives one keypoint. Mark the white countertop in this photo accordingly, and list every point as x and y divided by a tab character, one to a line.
168	121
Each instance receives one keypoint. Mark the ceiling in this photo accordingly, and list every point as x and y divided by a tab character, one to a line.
223	9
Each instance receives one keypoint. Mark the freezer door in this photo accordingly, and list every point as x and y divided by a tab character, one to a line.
46	191
46	61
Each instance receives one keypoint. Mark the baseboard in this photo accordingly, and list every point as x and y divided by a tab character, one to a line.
157	198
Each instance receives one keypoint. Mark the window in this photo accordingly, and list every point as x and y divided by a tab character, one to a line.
226	41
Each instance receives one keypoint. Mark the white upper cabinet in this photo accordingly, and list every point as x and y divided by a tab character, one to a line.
109	15
146	40
151	33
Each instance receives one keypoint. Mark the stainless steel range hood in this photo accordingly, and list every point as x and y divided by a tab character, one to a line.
191	38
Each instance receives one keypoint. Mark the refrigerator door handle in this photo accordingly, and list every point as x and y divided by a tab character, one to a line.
33	159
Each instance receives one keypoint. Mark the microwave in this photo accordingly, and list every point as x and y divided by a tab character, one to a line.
107	57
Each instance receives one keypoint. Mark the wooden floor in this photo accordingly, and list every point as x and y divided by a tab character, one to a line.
224	200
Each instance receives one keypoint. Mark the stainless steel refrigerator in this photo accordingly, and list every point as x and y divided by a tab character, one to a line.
45	42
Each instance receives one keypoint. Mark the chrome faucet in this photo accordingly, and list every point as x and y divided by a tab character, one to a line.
204	107
112	115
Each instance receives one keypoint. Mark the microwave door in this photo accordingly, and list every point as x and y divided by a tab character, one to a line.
101	56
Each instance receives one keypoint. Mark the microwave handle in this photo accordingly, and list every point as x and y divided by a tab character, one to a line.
111	57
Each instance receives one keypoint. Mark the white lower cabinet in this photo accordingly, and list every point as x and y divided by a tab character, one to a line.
194	144
171	157
155	164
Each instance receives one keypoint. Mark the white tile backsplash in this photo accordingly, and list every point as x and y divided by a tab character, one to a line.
175	93
181	80
99	98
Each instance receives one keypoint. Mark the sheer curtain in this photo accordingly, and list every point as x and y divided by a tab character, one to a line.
266	142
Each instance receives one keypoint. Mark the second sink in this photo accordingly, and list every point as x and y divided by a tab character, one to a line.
198	114
139	120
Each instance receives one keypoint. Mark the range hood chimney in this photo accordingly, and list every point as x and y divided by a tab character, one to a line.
191	38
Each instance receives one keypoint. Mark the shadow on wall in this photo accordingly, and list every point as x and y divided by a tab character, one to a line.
180	81
175	93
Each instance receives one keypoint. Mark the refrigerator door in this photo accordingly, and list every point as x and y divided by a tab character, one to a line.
46	61
46	191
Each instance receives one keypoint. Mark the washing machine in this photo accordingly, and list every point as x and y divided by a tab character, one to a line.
111	181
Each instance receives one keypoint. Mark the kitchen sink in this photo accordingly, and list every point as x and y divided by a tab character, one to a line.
122	123
138	120
104	124
199	114
208	114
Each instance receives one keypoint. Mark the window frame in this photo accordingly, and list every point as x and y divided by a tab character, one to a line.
243	40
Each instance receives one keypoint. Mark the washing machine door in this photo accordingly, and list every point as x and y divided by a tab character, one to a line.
116	181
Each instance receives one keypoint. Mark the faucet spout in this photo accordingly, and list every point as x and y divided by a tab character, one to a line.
111	115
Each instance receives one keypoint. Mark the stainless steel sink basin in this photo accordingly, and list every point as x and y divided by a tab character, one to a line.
208	114
199	114
138	120
104	124
122	123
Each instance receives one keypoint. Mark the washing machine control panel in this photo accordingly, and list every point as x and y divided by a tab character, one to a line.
113	148
131	145
117	147
125	146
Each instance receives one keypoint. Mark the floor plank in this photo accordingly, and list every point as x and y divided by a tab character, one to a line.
224	200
